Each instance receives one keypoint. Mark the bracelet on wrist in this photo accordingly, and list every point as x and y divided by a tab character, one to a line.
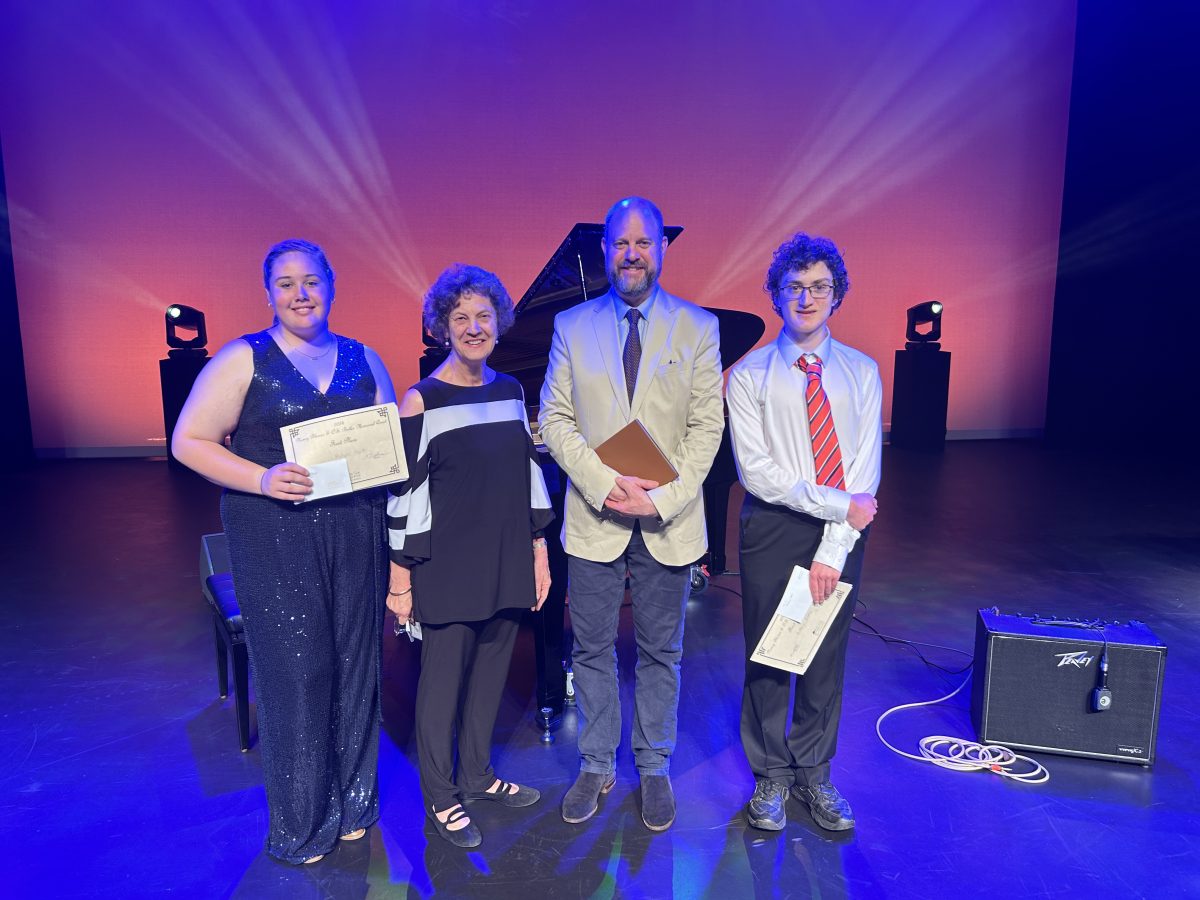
407	590
539	542
262	490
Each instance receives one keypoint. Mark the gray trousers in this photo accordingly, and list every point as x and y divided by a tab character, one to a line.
659	596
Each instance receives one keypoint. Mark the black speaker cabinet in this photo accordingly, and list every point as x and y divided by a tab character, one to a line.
920	397
1034	687
176	374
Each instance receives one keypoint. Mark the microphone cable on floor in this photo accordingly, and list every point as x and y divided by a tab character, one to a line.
956	754
961	755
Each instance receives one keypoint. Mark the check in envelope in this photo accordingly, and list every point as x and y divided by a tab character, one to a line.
799	626
348	451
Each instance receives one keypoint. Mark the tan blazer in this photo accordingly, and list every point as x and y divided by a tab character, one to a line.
678	400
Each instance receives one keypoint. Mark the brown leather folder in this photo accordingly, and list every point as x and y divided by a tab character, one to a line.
631	451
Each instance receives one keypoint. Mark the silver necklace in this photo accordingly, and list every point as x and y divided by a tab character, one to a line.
332	343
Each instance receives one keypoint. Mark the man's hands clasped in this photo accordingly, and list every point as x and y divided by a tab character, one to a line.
629	498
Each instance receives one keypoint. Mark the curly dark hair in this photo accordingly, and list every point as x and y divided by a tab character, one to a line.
450	287
296	245
802	251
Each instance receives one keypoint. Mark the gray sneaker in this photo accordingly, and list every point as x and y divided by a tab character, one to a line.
828	807
766	809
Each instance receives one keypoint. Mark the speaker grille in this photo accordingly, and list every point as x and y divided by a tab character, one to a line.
1034	691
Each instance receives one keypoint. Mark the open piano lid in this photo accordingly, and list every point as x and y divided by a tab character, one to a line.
575	273
578	260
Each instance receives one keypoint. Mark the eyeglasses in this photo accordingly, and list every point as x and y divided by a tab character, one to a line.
821	290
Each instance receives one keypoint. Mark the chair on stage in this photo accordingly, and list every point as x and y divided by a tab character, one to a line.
217	584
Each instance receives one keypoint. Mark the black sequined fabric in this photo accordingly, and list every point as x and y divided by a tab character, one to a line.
310	579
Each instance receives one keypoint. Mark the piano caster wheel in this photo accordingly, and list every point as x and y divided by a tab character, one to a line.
570	691
699	579
546	715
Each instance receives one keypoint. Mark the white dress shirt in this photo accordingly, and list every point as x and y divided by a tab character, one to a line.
768	421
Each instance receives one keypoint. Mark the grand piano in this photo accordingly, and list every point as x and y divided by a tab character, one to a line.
574	274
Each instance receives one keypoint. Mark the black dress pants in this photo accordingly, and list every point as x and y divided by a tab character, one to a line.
774	539
464	668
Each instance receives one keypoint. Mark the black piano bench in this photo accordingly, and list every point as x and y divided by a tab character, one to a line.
231	642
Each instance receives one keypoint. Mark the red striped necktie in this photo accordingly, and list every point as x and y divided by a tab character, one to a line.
827	455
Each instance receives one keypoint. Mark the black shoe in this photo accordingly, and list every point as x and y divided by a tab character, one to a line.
766	809
522	796
829	808
658	802
583	798
466	837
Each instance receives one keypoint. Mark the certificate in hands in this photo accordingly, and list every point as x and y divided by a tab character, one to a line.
799	626
348	451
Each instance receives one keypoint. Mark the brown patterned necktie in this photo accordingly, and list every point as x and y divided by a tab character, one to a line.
632	357
827	455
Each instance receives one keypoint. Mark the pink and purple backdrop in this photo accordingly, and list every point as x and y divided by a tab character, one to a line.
154	150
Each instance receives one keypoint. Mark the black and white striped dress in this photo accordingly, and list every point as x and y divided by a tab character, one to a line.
475	496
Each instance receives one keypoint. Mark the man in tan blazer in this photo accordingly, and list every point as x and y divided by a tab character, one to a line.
636	352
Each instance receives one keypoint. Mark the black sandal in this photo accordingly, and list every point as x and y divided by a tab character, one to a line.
467	837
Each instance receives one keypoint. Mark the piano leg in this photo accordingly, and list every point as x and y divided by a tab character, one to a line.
548	624
716	514
548	637
716	487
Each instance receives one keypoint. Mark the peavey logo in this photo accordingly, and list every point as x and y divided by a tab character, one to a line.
1132	751
1079	659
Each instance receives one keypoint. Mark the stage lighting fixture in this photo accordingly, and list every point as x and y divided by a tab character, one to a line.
927	313
188	319
921	386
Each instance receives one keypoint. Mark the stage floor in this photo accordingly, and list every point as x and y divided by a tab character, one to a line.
122	776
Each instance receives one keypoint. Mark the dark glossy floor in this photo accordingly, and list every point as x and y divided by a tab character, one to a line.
121	775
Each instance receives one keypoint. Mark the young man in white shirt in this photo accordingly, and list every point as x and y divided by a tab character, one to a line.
805	417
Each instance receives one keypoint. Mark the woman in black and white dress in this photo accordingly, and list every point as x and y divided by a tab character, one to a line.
466	544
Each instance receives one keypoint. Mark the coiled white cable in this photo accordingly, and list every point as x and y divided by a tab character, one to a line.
962	755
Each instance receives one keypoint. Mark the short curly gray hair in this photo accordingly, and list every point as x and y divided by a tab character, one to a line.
451	286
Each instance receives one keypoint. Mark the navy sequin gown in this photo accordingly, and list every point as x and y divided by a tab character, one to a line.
310	579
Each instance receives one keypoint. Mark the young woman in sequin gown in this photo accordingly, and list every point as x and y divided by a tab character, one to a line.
310	577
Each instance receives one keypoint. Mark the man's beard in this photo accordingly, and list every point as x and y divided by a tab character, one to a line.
635	281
